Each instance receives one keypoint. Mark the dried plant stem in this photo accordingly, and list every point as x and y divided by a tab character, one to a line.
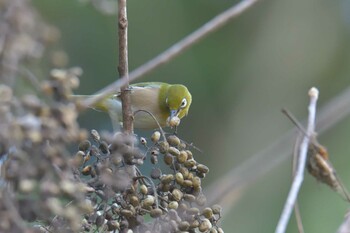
345	226
174	50
123	67
298	218
297	214
299	174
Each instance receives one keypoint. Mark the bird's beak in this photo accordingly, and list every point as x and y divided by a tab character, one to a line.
173	113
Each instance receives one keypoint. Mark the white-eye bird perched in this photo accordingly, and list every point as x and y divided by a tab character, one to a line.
165	101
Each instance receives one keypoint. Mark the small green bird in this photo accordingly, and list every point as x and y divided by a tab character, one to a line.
165	101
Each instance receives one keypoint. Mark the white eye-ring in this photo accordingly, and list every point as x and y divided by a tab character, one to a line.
183	103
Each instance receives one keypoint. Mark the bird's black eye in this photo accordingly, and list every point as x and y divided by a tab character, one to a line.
183	103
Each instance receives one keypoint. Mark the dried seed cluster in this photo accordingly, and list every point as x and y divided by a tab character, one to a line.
37	182
23	37
123	197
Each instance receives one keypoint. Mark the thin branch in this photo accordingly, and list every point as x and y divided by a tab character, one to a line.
298	217
299	175
123	67
174	50
297	213
345	226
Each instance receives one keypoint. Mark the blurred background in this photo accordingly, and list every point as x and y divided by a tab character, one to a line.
240	77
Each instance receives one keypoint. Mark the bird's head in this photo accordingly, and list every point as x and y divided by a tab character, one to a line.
178	100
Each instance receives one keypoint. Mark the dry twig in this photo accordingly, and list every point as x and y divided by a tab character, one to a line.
299	174
123	66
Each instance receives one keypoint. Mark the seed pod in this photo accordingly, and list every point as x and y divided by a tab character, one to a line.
113	225
173	205
124	224
165	179
155	213
202	168
164	187
143	141
174	121
154	151
172	150
154	159
156	173
100	220
189	197
182	157
27	185
196	182
173	140
179	178
95	135
193	211
126	213
78	158
207	212
194	224
184	226
168	159
184	172
163	147
104	147
216	209
148	201
200	175
155	136
85	145
190	163
189	153
190	176
205	225
187	183
86	170
177	194
143	189
134	200
213	230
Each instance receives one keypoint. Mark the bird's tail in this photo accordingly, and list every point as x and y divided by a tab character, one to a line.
111	105
102	105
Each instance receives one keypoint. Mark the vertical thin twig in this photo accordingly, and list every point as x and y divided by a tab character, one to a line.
299	175
294	166
123	66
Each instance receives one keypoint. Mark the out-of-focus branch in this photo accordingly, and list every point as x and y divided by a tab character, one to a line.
123	66
345	226
174	50
299	173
